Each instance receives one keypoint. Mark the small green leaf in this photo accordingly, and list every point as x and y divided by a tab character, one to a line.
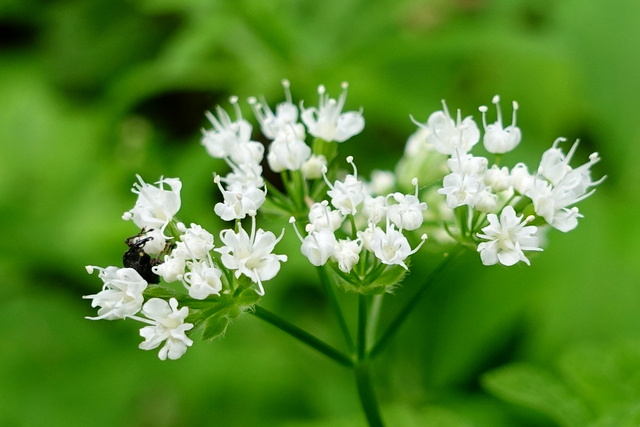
390	277
538	389
215	326
247	298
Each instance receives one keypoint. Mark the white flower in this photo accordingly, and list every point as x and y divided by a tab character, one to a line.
197	240
374	209
312	168
406	213
155	206
448	136
173	266
202	280
552	203
346	195
347	254
287	152
284	120
167	324
558	187
485	200
251	255
507	238
244	174
554	165
121	294
231	138
319	246
498	178
328	122
467	164
239	200
521	179
321	216
461	189
391	247
497	139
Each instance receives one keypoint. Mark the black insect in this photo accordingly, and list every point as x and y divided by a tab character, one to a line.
138	259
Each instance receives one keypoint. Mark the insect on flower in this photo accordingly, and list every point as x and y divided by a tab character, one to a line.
138	259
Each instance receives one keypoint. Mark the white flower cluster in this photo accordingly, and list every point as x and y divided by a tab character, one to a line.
333	235
186	257
478	193
360	231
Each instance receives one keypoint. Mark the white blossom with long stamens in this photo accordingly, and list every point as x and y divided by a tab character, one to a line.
507	238
346	195
155	206
498	139
285	119
121	294
251	255
328	121
448	136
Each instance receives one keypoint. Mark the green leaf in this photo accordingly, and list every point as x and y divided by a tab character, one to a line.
215	326
247	298
606	375
390	277
624	416
538	389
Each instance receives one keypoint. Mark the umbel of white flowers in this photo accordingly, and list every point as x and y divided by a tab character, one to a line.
355	229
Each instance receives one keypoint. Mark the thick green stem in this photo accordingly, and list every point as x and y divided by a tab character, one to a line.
367	396
413	301
302	335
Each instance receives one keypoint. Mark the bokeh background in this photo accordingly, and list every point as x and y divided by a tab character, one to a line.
94	91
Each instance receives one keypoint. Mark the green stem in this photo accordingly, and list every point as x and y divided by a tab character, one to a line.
361	369
302	335
362	327
413	301
374	315
367	397
333	300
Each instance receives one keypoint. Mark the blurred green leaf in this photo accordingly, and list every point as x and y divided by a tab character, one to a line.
538	389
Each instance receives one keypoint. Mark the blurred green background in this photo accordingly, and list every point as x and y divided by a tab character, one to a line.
94	91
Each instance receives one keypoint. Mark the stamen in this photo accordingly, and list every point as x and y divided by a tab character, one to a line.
414	182
515	109
253	230
292	221
445	109
324	170
483	109
355	170
260	290
234	102
286	85
423	239
496	102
